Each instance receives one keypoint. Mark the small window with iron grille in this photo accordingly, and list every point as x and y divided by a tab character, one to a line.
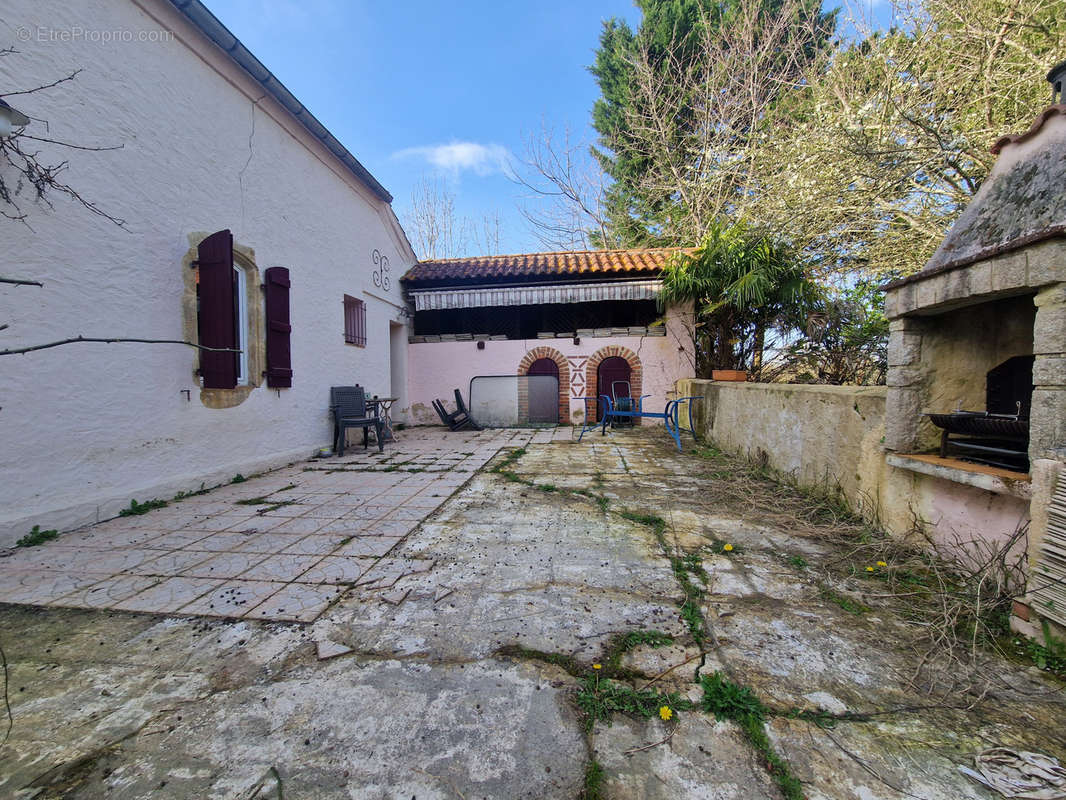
354	321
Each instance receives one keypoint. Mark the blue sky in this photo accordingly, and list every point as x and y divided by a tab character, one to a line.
444	89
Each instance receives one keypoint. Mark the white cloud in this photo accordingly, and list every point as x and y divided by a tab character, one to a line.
456	157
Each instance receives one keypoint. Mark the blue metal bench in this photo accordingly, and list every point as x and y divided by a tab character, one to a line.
670	415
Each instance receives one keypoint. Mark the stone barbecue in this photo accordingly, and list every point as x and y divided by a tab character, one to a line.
993	294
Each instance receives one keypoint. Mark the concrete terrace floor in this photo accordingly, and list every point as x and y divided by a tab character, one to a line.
427	676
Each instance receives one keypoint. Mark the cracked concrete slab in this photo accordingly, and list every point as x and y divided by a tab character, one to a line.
430	678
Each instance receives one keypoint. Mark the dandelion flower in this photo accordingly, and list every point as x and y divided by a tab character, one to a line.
727	547
597	666
882	563
666	712
869	569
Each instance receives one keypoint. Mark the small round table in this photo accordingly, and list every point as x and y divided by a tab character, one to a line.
384	407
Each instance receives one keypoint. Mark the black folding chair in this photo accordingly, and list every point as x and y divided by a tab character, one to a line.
458	419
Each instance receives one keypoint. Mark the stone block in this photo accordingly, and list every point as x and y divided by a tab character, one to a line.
1047	262
930	291
1051	296
903	408
905	300
892	304
1049	370
1049	330
1009	271
904	376
1047	422
980	278
904	348
955	285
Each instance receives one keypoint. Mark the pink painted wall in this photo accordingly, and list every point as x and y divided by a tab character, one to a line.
435	369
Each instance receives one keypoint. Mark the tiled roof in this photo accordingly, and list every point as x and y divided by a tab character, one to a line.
568	265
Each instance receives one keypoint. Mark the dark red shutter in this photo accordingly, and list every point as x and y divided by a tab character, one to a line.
218	315
278	328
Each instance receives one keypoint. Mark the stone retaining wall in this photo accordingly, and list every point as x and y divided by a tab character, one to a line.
832	437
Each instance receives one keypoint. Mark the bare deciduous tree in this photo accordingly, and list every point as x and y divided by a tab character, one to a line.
23	168
894	138
700	123
437	230
564	186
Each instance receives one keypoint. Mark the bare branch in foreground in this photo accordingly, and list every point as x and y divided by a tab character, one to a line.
111	340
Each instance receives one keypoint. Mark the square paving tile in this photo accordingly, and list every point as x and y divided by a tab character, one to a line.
301	525
283	567
268	542
337	569
42	587
219	522
108	592
298	602
179	539
368	546
224	565
220	542
318	545
169	595
171	563
233	598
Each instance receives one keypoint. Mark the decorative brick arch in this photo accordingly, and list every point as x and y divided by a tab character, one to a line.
636	377
536	354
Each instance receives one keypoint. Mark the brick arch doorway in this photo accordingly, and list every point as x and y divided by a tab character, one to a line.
612	355
562	366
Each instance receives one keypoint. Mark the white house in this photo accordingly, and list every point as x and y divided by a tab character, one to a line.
232	193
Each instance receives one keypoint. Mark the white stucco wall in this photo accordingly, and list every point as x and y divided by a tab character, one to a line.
87	427
437	368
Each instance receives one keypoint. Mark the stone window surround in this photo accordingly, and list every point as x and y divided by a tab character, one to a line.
244	257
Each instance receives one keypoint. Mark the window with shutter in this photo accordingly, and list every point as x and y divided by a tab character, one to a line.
354	321
278	328
218	316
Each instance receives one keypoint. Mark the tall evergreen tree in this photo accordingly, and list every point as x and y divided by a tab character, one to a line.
659	72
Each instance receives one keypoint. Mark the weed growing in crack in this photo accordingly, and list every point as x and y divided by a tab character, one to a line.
593	788
564	662
653	521
598	699
36	536
846	603
692	615
137	509
731	701
513	477
182	495
799	562
622	643
682	567
238	478
511	458
547	487
1049	656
